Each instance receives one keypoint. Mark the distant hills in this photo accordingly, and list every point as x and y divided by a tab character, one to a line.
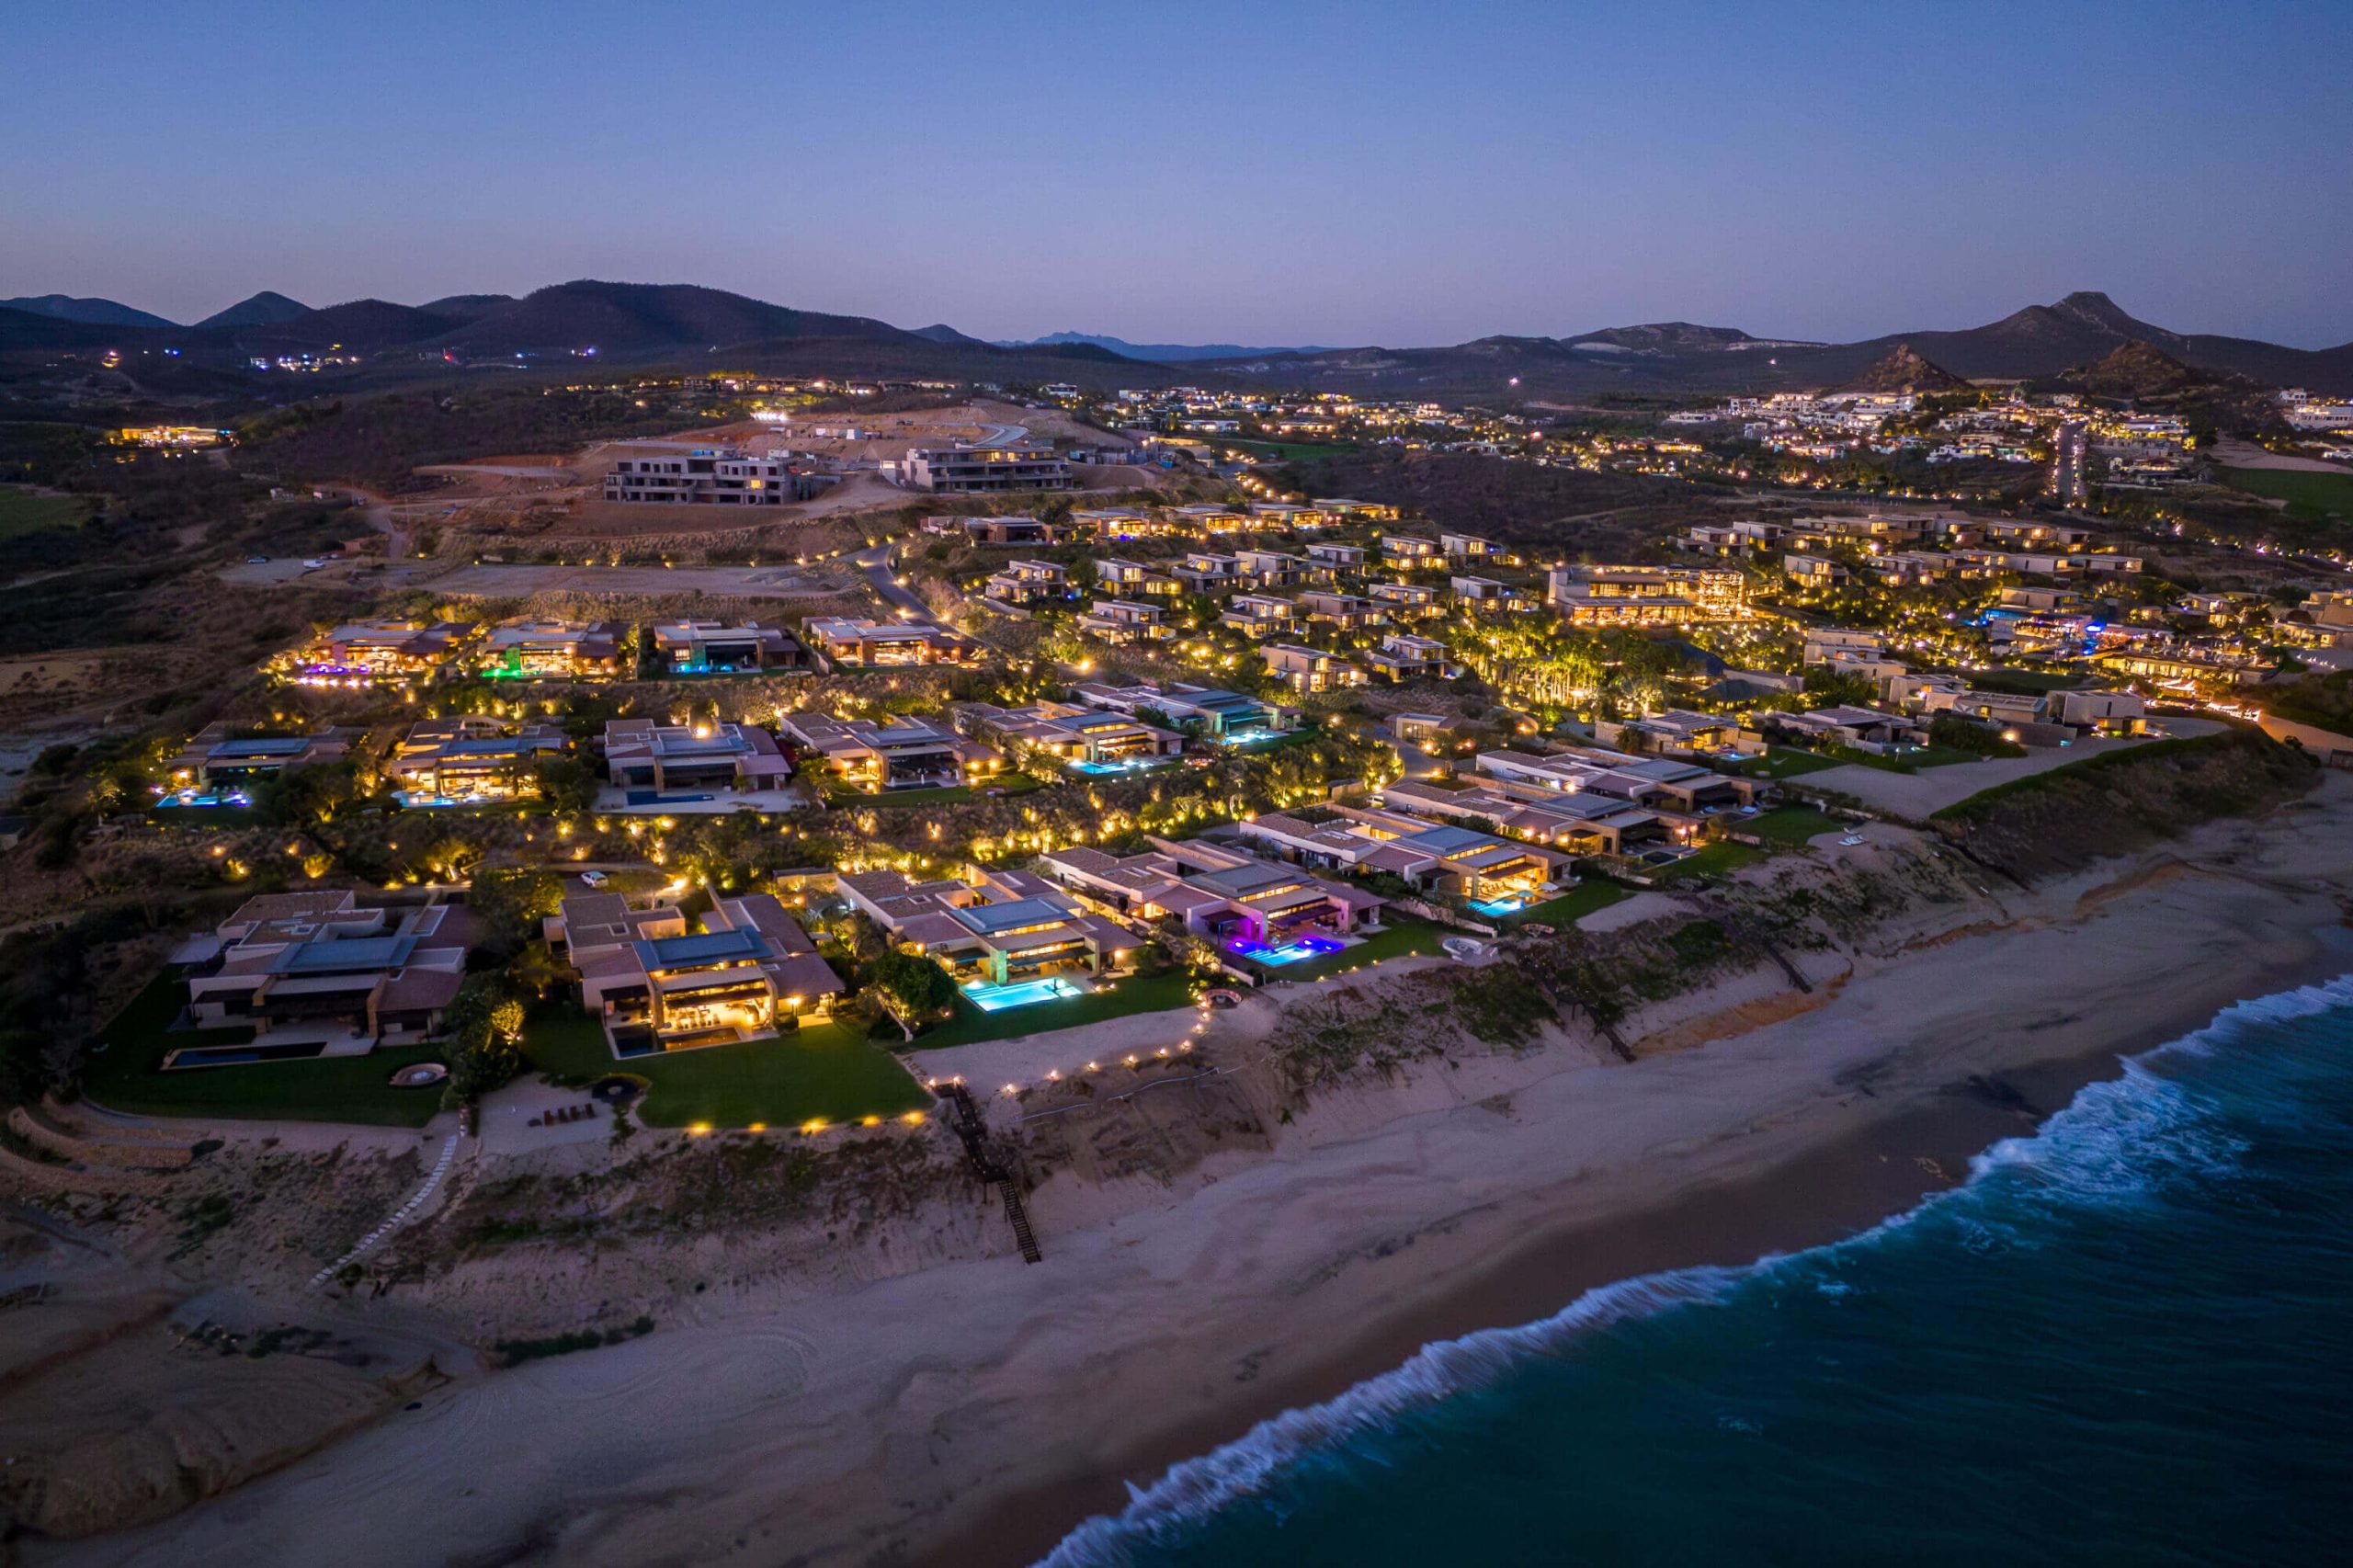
1155	353
96	313
683	324
265	309
2142	369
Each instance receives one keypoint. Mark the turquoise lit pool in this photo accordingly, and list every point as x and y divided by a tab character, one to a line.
1510	903
993	998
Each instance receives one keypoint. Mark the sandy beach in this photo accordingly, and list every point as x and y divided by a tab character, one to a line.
976	1410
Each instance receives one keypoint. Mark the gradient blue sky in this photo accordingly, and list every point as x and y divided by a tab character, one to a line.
1402	173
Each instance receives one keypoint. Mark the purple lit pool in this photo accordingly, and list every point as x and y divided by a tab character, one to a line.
1293	952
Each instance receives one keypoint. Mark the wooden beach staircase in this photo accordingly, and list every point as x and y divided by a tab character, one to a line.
966	1116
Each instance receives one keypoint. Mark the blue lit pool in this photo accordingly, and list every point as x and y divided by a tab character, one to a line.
993	998
1510	903
1296	952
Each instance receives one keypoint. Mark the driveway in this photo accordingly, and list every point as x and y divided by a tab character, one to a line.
1931	790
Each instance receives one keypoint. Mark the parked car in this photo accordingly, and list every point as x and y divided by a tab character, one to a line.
593	878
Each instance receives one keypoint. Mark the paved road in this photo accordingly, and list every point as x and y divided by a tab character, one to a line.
1931	790
2067	467
875	561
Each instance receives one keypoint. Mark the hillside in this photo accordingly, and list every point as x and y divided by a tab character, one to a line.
2139	369
633	319
96	313
265	309
1903	371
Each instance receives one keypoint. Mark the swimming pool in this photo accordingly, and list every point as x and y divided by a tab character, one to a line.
993	998
1294	951
1510	903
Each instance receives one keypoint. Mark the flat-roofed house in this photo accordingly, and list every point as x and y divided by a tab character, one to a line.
320	974
1212	892
1431	855
855	640
900	753
1334	559
1086	739
1223	715
1006	927
1645	596
1486	594
1403	656
1863	729
1121	577
1261	615
1126	620
362	652
471	758
1679	732
749	973
1029	582
722	476
1406	600
715	647
524	649
979	468
643	754
1309	669
216	758
1346	613
1410	552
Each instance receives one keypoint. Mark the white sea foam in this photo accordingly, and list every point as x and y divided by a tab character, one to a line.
2115	1139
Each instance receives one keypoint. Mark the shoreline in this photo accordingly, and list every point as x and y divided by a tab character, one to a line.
974	1408
1857	1182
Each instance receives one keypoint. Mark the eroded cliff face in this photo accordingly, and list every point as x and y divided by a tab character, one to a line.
2123	801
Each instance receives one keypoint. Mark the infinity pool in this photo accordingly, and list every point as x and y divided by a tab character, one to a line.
1510	903
1290	952
992	998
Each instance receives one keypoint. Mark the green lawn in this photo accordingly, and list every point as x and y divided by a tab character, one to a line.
127	1075
1792	825
1005	783
822	1073
1285	451
1787	762
1719	858
1405	935
1570	906
2310	495
23	511
1130	993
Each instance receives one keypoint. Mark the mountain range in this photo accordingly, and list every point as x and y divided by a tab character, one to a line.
682	325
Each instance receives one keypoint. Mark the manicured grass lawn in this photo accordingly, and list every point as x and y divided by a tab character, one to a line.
1787	762
1719	858
823	1072
2310	495
127	1076
1130	993
1570	906
1004	783
1285	451
1403	935
1792	825
22	512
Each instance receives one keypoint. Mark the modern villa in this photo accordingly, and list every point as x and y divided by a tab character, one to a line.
472	760
1008	928
712	647
643	754
553	650
320	974
899	754
749	973
216	765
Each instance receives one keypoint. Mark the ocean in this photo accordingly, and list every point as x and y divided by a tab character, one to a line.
2127	1338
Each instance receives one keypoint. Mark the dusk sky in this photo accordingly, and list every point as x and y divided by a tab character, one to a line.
1397	172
